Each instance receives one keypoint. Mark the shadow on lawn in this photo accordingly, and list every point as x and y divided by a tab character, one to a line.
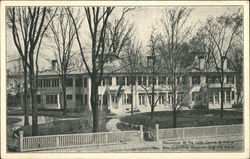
186	118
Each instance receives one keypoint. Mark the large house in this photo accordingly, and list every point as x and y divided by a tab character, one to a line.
197	88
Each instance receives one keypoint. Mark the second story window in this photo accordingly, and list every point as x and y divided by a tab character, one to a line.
195	80
130	81
152	80
120	81
85	84
142	80
78	82
107	81
162	80
46	82
69	82
55	82
230	79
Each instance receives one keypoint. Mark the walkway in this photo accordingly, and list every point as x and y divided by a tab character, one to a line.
111	125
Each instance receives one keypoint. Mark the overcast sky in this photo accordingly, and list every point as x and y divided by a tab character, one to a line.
143	19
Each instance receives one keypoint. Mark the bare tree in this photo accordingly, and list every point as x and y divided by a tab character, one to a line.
28	25
131	62
63	35
174	52
108	38
218	36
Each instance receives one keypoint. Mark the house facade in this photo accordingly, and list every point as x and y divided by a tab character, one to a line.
195	89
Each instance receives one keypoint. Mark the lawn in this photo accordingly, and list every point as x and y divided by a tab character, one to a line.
186	118
66	126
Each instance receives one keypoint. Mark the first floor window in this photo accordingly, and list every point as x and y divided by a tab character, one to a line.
69	97
79	98
129	98
195	96
228	97
216	97
85	99
233	93
162	98
180	97
51	99
38	99
105	99
211	99
169	97
141	99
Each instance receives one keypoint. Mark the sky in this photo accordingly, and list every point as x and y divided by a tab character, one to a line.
142	18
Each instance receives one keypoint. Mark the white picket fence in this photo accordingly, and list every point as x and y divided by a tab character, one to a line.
75	140
191	132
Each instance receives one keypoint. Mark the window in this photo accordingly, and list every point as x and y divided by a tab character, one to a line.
162	98
46	82
211	98
85	99
130	81
209	79
107	81
228	96
113	98
195	96
195	80
169	97
40	83
51	99
69	82
129	98
170	80
55	82
38	99
79	98
233	93
85	82
216	79
180	96
162	80
142	81
230	79
141	99
152	81
78	82
120	81
69	96
184	78
216	97
105	99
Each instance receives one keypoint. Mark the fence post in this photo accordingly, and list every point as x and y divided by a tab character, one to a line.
57	142
106	138
141	133
20	141
156	132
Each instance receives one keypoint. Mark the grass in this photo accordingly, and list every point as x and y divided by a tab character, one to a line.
186	118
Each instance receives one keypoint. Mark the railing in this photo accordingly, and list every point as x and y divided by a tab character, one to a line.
191	132
74	140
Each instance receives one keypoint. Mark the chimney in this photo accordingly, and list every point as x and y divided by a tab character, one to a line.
54	65
201	59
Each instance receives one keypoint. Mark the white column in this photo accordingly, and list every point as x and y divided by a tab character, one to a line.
89	92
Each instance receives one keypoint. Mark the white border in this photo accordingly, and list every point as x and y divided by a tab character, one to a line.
124	155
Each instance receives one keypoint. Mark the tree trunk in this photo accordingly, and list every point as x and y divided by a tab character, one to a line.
222	93
64	100
174	117
132	106
26	113
33	103
222	99
94	104
152	112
